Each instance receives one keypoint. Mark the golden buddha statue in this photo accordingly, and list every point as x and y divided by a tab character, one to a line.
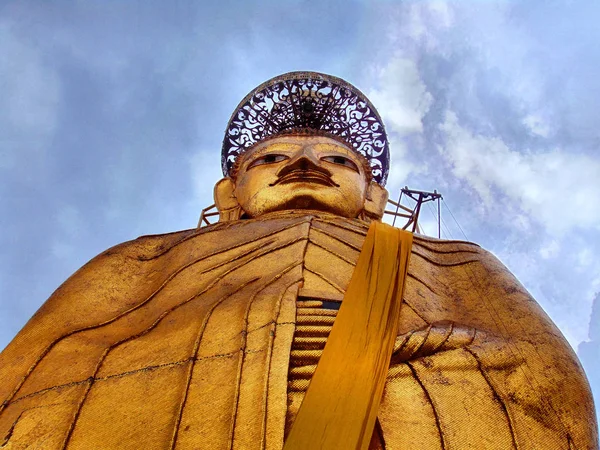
209	338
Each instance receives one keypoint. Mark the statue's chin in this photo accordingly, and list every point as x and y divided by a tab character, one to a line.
304	202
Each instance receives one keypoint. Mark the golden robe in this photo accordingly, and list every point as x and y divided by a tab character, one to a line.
183	340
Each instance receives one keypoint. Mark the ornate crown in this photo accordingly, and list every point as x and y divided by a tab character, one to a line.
308	100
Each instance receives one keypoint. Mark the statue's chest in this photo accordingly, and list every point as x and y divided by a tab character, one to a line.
331	253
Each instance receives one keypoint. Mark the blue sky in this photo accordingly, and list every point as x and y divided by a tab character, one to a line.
112	116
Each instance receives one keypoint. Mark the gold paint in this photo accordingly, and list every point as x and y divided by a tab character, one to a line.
184	340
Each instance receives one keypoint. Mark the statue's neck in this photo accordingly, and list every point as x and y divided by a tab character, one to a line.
301	212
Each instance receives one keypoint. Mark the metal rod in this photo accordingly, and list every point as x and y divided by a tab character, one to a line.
397	206
417	211
439	219
393	213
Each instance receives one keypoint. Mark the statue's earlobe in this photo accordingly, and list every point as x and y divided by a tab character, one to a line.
225	200
375	202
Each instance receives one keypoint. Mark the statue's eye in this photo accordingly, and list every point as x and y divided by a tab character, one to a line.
341	160
268	159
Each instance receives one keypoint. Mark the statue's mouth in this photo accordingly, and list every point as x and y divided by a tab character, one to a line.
306	176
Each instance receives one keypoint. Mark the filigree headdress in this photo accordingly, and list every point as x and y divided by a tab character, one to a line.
308	100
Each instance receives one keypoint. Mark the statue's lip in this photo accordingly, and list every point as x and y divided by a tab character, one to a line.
306	176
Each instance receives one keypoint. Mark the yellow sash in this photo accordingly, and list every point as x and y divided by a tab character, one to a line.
340	406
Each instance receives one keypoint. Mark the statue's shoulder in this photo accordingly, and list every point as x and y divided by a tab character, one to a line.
446	244
445	252
148	247
151	245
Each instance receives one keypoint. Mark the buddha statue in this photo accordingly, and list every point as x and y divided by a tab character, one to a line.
209	338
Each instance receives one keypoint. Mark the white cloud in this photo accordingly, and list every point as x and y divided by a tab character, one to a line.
402	97
556	188
537	125
585	258
550	249
421	22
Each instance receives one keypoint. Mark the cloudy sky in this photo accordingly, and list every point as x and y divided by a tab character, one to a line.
112	115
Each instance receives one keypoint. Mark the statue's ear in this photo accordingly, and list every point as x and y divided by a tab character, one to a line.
375	202
225	200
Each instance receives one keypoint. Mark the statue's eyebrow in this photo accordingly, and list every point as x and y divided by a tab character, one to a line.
340	150
276	148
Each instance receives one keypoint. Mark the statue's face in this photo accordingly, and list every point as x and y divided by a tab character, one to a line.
301	172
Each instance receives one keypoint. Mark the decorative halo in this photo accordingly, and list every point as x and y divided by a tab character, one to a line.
308	100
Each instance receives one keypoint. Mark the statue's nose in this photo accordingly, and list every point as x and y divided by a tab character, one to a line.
304	159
